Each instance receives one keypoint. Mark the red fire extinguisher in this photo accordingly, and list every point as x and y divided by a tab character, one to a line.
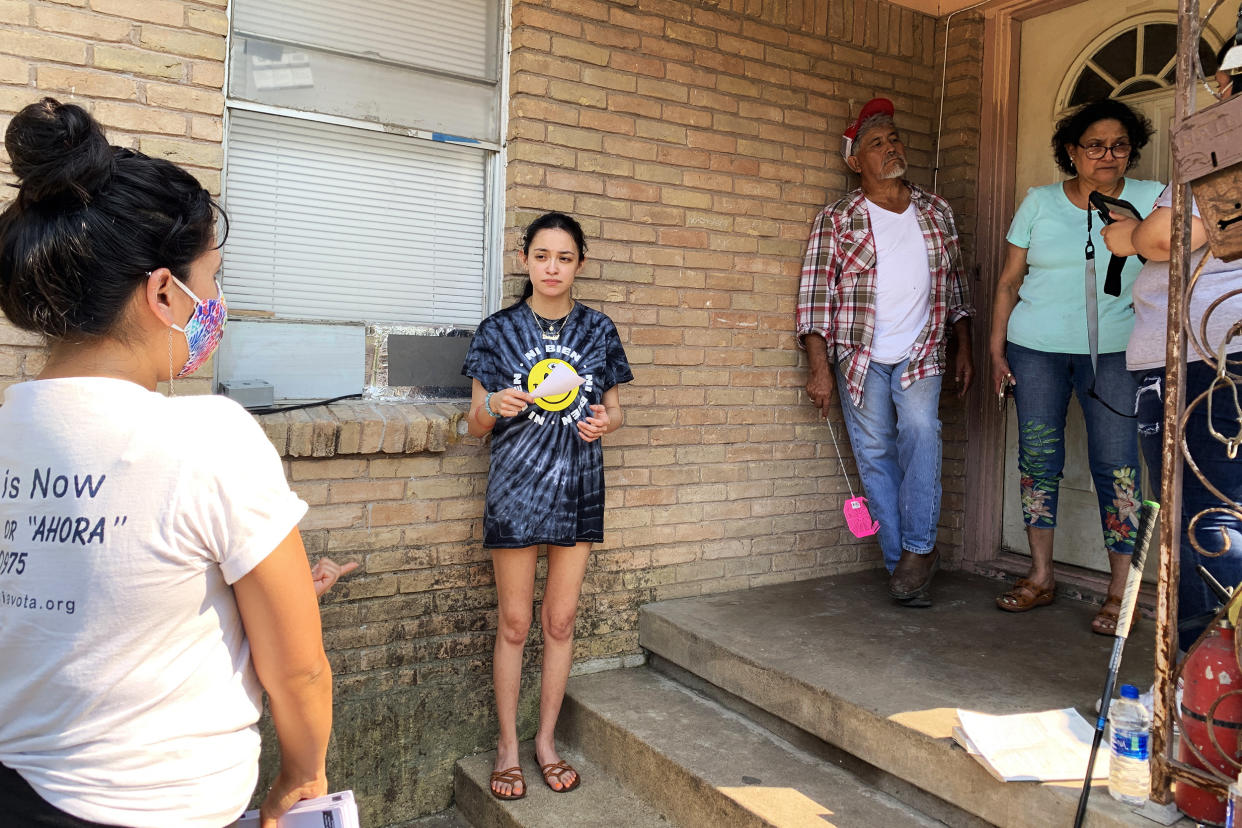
1211	711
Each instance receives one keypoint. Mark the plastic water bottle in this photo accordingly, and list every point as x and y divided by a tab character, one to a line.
1233	815
1129	771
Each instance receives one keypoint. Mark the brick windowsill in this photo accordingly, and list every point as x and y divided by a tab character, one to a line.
366	427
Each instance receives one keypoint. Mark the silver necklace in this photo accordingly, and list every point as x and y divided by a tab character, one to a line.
552	331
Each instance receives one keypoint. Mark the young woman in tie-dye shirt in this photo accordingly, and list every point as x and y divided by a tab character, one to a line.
546	481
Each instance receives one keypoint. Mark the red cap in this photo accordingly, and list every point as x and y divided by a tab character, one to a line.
875	106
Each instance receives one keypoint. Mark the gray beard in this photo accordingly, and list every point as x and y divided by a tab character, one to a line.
896	172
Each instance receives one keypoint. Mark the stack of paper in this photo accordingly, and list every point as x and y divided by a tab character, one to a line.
336	810
1031	747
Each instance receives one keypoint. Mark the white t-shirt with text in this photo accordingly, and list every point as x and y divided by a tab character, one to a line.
127	694
903	283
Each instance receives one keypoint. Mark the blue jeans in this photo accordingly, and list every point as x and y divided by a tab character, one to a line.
895	434
1196	604
1045	382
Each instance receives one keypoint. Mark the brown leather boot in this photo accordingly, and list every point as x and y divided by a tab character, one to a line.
913	574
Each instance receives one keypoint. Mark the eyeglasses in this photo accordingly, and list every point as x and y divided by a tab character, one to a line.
1097	151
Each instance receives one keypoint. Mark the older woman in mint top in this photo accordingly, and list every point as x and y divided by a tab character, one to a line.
1040	344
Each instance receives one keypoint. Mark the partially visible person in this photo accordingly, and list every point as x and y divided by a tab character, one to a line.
152	579
881	288
326	572
1217	526
545	483
1041	345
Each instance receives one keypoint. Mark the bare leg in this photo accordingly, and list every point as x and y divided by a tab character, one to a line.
1105	621
1040	540
566	569
1036	589
515	590
1120	566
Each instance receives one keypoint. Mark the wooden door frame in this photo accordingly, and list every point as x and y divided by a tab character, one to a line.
994	206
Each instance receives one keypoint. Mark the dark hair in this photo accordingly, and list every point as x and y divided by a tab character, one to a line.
1072	126
89	222
550	221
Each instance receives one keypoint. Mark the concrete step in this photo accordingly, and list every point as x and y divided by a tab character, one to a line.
836	658
601	801
449	818
882	782
704	765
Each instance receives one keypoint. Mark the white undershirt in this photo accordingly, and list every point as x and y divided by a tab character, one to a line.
903	282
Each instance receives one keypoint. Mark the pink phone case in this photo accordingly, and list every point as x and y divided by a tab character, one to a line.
858	519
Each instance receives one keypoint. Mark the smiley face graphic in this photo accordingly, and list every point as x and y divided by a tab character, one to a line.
538	374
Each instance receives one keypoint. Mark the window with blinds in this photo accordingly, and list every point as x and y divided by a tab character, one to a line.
457	38
424	64
329	222
360	157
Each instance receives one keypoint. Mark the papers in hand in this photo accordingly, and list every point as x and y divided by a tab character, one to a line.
336	810
560	380
1031	747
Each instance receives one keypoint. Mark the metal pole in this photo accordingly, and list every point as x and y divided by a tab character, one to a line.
1134	578
1174	394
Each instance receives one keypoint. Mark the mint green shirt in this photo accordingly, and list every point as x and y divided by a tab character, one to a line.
1051	314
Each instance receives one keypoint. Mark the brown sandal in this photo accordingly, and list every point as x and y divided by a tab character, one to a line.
554	771
510	776
1024	596
1105	621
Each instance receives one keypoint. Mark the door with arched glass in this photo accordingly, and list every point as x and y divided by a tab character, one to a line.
1138	65
1068	57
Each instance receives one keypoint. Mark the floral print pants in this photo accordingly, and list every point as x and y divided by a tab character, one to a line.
1044	384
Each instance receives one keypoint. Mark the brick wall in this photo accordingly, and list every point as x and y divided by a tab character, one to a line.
960	70
695	141
151	71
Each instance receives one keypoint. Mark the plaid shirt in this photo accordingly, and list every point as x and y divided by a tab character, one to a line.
836	298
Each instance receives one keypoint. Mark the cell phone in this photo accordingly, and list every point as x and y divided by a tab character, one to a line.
1106	204
1006	391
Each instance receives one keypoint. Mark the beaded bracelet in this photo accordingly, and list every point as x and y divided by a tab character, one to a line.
487	406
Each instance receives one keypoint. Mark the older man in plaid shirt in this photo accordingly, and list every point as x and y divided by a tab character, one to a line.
881	286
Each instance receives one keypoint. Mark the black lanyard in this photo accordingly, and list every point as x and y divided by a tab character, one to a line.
1090	249
1093	317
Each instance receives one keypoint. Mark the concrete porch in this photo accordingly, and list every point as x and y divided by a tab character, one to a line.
821	703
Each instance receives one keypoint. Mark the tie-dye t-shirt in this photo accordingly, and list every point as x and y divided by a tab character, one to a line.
546	484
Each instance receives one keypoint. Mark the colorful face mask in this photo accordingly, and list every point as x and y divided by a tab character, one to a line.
204	330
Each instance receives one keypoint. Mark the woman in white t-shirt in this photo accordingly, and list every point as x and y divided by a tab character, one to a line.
152	579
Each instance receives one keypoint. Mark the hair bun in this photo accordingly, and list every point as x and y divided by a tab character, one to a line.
57	151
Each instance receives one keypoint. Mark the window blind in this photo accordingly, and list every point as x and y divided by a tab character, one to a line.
337	223
307	80
456	37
